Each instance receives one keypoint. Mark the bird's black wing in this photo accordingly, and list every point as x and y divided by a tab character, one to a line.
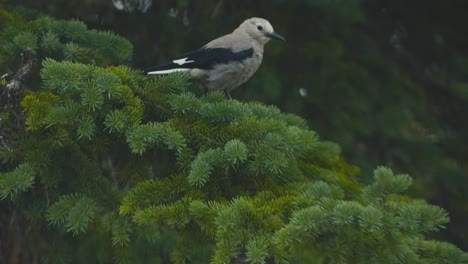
205	58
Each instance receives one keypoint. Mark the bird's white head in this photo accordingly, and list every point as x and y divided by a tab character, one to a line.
259	29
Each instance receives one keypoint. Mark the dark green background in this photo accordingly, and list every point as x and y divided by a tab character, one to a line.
387	80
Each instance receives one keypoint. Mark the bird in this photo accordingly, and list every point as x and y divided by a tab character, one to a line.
227	62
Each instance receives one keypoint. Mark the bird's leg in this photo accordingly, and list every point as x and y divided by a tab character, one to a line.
226	92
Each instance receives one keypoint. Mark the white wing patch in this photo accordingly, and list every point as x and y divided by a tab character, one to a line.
182	61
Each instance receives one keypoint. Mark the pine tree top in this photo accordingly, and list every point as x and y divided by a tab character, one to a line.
106	154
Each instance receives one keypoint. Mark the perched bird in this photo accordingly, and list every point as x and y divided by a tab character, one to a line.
228	61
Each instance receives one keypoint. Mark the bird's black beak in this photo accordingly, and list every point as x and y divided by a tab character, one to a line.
275	36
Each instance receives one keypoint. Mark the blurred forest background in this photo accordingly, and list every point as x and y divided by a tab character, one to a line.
387	80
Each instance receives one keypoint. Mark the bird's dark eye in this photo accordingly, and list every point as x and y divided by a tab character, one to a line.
259	27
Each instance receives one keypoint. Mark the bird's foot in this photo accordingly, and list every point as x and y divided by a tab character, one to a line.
226	92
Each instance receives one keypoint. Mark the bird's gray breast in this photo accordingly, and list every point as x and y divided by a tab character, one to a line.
250	66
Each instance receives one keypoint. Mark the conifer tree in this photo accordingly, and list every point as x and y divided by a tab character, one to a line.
105	165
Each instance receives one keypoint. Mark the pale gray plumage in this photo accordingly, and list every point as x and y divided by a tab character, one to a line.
228	61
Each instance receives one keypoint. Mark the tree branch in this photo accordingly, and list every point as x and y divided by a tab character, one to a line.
7	92
21	75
